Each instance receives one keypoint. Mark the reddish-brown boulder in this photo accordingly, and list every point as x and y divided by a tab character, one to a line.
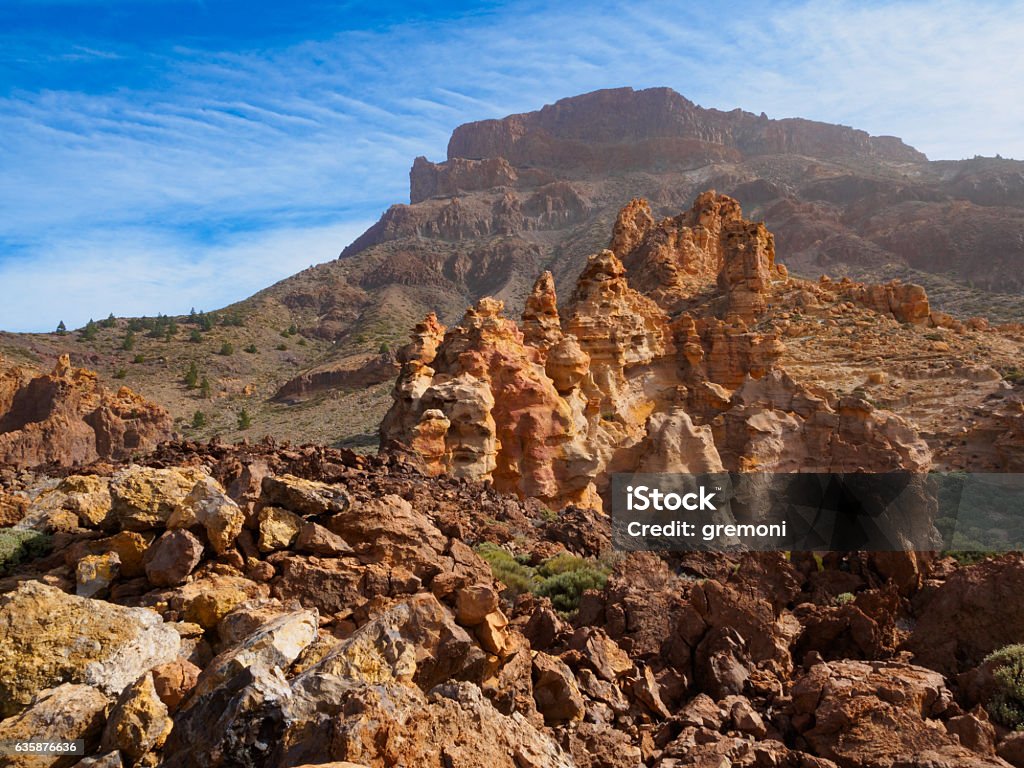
972	614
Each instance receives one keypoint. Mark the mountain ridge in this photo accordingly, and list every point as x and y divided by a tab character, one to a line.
488	227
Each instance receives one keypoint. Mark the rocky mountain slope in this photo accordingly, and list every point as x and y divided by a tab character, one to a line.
541	191
257	606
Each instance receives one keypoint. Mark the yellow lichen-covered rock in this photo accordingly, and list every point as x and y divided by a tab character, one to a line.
139	721
129	546
208	505
207	600
48	637
278	528
89	497
145	498
95	573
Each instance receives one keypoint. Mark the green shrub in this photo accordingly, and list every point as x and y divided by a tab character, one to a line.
89	331
518	578
244	419
561	563
843	599
251	349
565	589
120	373
198	420
1007	704
18	545
227	348
562	578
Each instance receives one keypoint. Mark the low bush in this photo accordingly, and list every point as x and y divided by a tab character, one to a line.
1007	703
565	589
516	577
18	545
563	578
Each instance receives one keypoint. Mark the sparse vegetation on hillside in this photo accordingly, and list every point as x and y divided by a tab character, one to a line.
244	419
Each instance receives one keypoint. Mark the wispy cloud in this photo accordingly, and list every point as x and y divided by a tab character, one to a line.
201	150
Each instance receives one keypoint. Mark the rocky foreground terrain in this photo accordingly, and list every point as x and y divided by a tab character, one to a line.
310	359
455	601
269	606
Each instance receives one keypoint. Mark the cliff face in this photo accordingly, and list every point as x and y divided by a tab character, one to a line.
67	417
665	125
674	364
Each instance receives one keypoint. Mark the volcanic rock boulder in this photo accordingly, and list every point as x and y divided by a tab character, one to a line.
65	712
48	637
879	714
984	599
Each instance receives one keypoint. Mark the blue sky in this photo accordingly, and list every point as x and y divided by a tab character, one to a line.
157	155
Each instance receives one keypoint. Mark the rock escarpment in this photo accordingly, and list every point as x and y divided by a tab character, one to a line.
67	417
666	357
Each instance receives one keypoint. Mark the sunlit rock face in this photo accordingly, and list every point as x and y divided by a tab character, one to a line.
667	356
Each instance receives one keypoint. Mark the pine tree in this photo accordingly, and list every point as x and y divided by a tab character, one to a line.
244	419
204	388
192	376
89	332
198	420
61	328
195	337
129	341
